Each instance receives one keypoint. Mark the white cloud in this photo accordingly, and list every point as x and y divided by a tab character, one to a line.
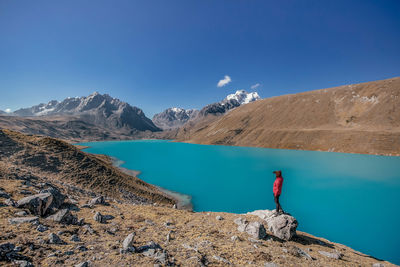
8	110
254	86
224	81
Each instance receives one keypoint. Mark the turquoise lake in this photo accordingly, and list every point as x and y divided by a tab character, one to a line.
347	198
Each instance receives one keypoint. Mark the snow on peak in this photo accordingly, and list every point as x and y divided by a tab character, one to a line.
243	97
174	109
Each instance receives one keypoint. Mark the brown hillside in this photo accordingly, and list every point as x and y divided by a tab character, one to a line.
360	118
60	161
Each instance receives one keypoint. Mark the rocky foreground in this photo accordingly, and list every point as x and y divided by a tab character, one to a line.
48	219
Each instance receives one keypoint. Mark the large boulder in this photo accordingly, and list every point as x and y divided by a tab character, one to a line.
58	198
282	226
254	229
63	216
37	204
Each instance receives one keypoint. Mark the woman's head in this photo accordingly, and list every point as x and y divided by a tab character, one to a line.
278	173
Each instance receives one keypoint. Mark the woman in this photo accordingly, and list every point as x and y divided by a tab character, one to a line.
277	190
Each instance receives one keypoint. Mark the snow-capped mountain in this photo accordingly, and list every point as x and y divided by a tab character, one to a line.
97	109
232	101
243	97
174	117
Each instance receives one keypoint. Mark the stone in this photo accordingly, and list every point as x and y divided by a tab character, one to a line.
23	263
334	255
37	204
55	239
270	264
21	213
58	197
6	248
377	264
81	248
23	220
75	238
88	229
254	229
219	218
83	264
41	228
218	258
282	226
10	202
69	253
127	244
234	238
98	217
298	252
97	200
63	216
4	194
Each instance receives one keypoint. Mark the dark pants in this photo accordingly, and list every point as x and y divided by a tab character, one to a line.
278	205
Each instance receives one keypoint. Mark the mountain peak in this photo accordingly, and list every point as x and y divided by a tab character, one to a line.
243	97
98	109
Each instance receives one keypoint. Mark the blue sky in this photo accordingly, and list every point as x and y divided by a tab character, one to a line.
159	54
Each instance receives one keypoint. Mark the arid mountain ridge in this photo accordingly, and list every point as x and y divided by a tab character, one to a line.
359	118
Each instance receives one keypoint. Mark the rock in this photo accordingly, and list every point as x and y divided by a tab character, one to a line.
25	192
83	264
81	248
6	248
334	255
219	218
88	229
37	204
378	265
98	217
127	244
270	264
69	253
23	220
155	251
97	200
55	239
234	238
81	222
255	229
75	238
24	263
41	228
282	226
10	202
58	197
21	213
218	258
63	216
4	194
298	252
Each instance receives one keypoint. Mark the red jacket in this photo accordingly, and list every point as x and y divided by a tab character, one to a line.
278	186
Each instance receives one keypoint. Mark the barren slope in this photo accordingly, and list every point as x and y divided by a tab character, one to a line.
44	156
360	118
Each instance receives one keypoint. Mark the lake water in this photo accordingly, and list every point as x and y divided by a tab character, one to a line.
347	198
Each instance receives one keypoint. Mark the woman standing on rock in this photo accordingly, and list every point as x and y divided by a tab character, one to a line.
277	190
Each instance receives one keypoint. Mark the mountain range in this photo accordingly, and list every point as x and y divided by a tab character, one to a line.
176	117
97	109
